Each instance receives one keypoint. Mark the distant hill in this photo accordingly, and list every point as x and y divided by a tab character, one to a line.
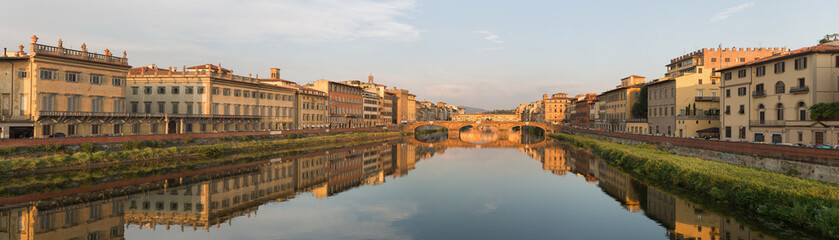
471	110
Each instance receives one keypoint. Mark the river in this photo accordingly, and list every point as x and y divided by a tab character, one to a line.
484	185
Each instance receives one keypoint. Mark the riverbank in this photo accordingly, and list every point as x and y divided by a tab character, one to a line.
805	203
149	151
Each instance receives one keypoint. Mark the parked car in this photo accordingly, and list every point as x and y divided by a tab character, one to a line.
810	146
836	147
823	146
59	135
785	144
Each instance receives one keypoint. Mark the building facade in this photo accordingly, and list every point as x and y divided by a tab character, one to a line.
56	91
767	102
617	103
345	103
557	107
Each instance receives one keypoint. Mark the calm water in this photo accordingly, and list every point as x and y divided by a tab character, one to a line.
482	186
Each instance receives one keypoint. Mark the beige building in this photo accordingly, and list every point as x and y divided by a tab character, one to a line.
617	103
767	102
406	105
661	107
311	107
54	90
557	107
206	98
696	93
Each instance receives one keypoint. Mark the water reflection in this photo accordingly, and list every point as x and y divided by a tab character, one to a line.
202	202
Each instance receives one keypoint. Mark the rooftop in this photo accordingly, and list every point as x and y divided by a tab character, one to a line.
829	47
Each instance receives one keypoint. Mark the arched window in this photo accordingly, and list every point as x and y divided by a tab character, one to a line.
802	111
780	111
779	87
761	114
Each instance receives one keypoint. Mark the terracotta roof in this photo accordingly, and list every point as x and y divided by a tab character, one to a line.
210	66
150	70
821	48
660	81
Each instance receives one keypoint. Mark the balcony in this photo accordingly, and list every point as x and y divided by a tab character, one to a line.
799	90
84	55
766	123
707	99
759	94
698	117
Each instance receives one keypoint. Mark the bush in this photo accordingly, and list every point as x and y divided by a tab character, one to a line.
188	140
87	147
6	151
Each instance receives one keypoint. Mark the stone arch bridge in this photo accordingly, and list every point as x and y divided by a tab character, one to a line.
455	126
457	143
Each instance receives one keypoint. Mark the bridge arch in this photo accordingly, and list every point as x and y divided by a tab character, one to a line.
457	125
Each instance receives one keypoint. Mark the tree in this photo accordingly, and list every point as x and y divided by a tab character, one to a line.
824	111
828	37
639	109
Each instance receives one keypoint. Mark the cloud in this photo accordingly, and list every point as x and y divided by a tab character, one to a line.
211	21
731	11
490	36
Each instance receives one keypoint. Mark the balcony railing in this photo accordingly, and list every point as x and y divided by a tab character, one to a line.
84	55
799	89
697	117
140	115
767	122
707	99
759	93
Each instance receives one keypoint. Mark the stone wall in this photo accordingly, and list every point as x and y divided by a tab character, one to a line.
790	166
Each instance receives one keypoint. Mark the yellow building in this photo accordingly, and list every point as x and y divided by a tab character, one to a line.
54	90
765	101
90	220
311	108
557	107
617	103
694	102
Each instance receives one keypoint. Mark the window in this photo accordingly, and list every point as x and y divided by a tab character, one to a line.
779	67
96	104
117	81
94	129
135	90
147	106
147	90
176	90
175	107
73	103
200	90
237	93
801	82
759	137
71	129
779	111
760	71
119	105
727	59
728	132
48	74
741	73
188	90
154	128
161	90
713	59
188	108
71	77
802	111
46	130
96	79
117	128
21	73
800	136
135	107
700	81
742	132
226	92
161	107
135	128
742	59
726	76
742	91
801	63
727	110
728	93
742	109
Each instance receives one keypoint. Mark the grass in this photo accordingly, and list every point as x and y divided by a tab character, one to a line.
152	150
805	203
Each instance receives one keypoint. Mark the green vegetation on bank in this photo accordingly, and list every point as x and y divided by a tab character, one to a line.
53	181
151	150
806	203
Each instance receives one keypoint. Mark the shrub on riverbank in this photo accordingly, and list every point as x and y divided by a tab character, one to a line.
150	150
807	203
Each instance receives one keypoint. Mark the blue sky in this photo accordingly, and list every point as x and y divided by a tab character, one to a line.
487	54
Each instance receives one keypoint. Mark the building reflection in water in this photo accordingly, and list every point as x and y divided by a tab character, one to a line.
682	219
206	201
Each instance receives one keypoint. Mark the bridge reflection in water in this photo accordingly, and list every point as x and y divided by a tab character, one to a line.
212	200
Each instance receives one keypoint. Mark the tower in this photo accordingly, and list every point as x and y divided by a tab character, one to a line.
370	78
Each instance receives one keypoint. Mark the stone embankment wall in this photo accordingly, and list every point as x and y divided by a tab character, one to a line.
795	161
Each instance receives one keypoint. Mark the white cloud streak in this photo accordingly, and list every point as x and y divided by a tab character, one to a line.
731	11
490	36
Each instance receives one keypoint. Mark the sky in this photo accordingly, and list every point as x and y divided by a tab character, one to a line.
487	54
